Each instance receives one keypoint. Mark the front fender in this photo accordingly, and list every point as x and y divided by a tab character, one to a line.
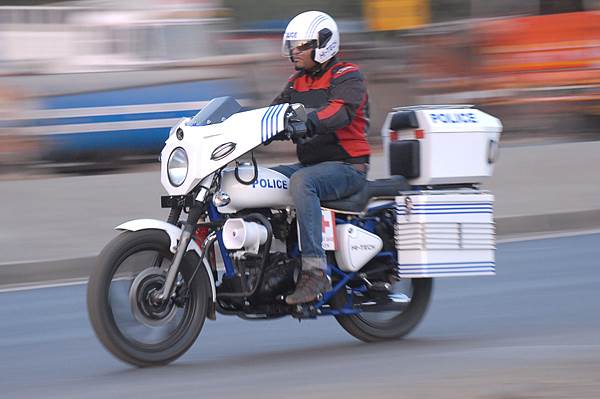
174	233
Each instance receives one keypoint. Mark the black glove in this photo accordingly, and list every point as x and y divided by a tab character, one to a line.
294	131
297	130
311	124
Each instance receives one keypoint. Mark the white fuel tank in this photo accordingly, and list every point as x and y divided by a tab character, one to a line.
270	190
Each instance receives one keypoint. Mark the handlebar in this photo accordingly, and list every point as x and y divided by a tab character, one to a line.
295	130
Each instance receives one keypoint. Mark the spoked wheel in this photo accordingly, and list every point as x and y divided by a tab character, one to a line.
392	318
122	305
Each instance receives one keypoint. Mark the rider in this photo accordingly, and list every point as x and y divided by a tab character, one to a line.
334	157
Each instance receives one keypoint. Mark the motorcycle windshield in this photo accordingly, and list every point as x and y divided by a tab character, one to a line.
216	111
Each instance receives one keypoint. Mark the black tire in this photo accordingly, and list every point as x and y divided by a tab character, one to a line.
102	314
397	326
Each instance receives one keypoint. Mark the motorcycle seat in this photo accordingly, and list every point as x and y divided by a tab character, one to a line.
377	188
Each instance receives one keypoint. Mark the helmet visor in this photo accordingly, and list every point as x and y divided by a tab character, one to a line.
300	45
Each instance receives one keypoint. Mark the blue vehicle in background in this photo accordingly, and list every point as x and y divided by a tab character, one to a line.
114	125
104	86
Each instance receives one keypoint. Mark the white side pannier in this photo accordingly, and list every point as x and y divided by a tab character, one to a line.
445	233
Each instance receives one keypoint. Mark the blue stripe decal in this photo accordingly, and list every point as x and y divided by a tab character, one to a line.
266	123
262	125
447	209
449	263
428	272
448	272
455	204
410	269
315	24
262	140
277	118
312	24
441	213
272	120
267	118
433	208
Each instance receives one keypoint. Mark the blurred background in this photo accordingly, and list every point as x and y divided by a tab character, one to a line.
95	85
88	87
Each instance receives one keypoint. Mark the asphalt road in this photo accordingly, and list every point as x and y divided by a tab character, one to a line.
532	331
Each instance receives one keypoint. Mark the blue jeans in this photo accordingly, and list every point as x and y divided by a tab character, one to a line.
309	185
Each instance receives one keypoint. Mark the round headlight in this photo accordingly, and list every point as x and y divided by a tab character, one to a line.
177	167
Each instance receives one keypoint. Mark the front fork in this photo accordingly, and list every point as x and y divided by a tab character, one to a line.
194	215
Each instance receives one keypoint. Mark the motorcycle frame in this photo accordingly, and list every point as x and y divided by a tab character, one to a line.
321	308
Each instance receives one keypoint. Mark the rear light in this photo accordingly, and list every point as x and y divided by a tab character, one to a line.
419	134
393	136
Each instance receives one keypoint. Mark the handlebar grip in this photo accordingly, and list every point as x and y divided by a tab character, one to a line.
297	129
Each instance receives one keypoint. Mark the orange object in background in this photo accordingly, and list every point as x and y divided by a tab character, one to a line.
563	46
384	15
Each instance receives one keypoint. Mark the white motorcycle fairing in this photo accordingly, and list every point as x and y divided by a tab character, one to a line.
174	233
210	147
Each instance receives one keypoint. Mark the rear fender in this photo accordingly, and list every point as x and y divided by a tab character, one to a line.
174	233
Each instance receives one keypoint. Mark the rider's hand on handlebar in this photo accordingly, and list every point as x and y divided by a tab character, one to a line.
297	130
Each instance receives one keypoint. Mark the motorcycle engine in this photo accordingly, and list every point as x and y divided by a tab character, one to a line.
279	278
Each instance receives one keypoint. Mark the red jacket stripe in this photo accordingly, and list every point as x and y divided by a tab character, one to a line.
333	107
353	137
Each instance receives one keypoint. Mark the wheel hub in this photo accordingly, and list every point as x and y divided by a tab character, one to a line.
146	307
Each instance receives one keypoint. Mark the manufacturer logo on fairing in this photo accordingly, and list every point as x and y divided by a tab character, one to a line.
222	151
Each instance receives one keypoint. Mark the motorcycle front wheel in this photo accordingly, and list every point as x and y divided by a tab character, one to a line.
410	296
123	314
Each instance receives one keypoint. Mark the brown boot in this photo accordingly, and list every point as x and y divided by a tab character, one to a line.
310	285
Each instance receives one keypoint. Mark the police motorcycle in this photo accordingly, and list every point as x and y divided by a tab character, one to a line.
155	284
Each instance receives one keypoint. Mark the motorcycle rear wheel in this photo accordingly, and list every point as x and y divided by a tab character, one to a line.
399	324
127	325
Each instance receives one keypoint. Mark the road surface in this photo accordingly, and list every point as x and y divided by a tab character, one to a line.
532	331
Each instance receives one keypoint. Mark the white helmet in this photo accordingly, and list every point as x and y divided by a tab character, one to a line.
312	29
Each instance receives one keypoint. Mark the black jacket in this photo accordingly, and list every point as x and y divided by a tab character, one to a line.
338	112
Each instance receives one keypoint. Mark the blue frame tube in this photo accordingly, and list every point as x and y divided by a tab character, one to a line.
215	216
329	294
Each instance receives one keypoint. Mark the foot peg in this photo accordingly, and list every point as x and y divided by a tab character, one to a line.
304	311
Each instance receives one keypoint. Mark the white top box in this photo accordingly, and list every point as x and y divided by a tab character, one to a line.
457	144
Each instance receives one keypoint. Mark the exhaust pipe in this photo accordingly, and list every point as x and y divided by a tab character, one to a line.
394	302
239	234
